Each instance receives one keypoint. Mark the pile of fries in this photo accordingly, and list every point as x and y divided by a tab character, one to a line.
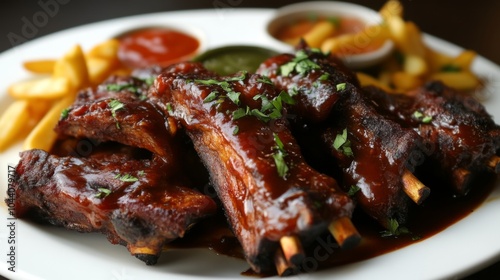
413	62
39	102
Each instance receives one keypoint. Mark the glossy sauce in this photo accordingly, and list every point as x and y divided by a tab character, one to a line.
438	212
156	46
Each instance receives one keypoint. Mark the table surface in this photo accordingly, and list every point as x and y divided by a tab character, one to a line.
469	24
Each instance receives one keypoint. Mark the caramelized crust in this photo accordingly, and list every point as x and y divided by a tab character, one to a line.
262	205
316	90
132	201
460	136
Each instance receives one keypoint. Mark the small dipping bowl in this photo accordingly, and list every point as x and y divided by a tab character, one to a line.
288	15
228	60
157	45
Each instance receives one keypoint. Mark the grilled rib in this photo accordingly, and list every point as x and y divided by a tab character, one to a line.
118	111
316	91
132	201
461	138
263	204
332	102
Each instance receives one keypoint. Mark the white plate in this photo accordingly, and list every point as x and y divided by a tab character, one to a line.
45	252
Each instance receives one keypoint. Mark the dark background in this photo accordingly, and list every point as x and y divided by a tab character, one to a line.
470	24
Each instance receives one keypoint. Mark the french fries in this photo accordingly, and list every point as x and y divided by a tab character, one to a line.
43	135
319	33
40	101
41	88
371	38
12	122
43	66
418	62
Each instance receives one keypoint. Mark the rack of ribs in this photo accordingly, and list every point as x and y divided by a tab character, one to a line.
274	201
370	149
133	201
130	185
461	138
119	111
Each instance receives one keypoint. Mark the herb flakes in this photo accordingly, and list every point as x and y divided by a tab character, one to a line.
126	178
353	190
394	229
301	64
421	117
342	144
64	113
102	192
115	105
279	157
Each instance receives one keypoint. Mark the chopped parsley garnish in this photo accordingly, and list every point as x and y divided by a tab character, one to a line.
265	80
132	87
240	113
141	173
115	105
210	97
236	130
120	87
300	64
342	144
64	113
340	87
393	229
279	157
126	178
170	110
293	90
102	192
271	109
234	96
421	117
324	77
225	85
335	21
353	190
149	81
450	68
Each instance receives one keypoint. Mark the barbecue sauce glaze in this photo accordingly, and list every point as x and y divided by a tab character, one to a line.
441	210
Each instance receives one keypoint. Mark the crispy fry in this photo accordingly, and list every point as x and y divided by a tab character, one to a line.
99	69
404	81
437	60
41	88
464	60
319	32
391	8
367	80
73	67
459	80
12	122
414	43
415	65
42	66
106	50
370	38
43	135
